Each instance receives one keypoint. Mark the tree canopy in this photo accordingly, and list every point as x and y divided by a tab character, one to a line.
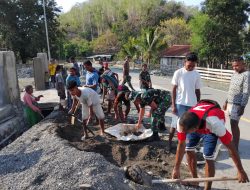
141	28
123	25
217	31
22	26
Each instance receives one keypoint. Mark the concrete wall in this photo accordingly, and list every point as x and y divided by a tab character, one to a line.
44	59
3	94
10	82
12	119
39	73
41	65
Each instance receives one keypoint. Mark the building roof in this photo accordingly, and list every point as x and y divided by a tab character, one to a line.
177	51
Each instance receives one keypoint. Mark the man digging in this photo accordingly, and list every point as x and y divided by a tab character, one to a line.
206	121
159	101
90	105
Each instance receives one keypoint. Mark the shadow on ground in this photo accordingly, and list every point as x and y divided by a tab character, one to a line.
19	162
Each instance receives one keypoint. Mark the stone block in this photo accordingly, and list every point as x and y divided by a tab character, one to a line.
9	90
44	59
39	73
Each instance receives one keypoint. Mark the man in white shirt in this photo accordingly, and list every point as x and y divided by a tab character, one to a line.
90	105
186	89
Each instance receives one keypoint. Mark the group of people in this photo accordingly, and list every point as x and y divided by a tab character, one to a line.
197	119
205	120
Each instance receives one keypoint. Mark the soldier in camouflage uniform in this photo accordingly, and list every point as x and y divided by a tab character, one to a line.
159	101
144	77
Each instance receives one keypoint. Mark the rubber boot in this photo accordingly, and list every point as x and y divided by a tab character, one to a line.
154	137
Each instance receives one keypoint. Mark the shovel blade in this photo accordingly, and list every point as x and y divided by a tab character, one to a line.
73	118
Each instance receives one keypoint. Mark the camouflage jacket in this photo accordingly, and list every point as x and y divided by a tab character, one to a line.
144	76
150	95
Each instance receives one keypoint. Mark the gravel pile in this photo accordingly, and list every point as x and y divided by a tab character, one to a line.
25	71
40	159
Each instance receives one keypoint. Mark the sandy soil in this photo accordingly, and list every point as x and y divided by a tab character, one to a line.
153	157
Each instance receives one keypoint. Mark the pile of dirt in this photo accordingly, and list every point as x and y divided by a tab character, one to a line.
41	159
153	157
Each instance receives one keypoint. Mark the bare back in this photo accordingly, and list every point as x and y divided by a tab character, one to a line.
126	69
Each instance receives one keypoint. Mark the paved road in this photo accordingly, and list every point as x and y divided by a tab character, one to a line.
224	164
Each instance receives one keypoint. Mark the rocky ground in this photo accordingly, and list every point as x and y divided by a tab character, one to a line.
47	157
25	75
25	70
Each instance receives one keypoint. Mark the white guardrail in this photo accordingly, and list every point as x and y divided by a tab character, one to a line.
220	75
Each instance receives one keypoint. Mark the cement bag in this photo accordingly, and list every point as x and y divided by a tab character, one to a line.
127	132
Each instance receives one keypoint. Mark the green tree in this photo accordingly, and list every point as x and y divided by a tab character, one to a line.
125	18
228	19
176	31
22	26
204	38
150	43
106	43
77	48
131	48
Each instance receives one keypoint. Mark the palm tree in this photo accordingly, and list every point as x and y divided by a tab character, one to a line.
150	43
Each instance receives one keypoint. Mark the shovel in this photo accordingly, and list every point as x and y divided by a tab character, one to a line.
87	127
73	117
136	174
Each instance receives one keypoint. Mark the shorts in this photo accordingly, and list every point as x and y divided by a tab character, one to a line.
127	78
97	109
181	109
110	94
174	121
209	143
120	99
232	111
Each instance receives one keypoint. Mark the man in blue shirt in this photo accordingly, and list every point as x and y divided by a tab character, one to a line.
92	76
72	77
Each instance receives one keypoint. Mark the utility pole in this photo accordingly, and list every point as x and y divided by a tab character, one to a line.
46	29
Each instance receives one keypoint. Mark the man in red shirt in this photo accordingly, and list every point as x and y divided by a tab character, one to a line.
193	126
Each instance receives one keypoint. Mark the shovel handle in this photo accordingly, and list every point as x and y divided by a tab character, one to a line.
204	179
76	107
73	116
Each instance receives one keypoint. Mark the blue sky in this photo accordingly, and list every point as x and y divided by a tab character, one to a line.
68	4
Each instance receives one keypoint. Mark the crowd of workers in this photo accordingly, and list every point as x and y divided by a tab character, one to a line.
196	119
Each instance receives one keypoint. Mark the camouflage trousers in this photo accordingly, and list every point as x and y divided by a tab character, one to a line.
158	115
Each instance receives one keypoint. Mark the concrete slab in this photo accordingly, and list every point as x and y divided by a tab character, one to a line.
50	95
